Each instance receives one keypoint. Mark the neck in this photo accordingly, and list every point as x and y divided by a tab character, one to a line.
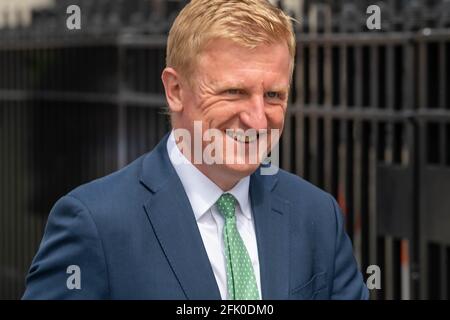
224	180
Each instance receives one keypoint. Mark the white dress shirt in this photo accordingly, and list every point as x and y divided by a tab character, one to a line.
203	194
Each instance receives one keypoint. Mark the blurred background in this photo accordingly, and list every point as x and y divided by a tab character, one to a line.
368	121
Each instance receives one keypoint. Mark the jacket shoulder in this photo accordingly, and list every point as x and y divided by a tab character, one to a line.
113	191
291	187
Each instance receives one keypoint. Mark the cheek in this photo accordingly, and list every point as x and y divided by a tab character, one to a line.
221	113
190	106
197	109
275	117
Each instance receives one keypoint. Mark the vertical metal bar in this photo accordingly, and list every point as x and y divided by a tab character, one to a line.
390	84
373	162
405	270
9	196
342	152
143	131
149	134
423	250
357	194
156	124
408	247
13	186
22	195
26	241
25	237
132	144
389	272
313	152
443	145
372	207
357	159
421	163
20	264
300	143
313	87
121	111
342	149
19	194
444	272
142	80
343	77
2	74
299	137
328	153
99	123
299	75
389	251
29	230
328	81
13	182
3	186
38	114
112	161
375	75
313	58
423	74
328	121
442	75
358	89
107	140
27	244
4	204
104	140
2	183
4	199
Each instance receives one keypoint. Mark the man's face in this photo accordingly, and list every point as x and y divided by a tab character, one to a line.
234	87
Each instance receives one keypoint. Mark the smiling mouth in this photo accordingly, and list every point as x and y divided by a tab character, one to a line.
242	137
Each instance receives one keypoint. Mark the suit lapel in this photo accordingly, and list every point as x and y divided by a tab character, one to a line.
271	215
173	222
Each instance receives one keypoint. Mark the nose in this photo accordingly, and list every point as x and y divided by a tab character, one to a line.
254	115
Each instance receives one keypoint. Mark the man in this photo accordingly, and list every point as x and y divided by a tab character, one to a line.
169	226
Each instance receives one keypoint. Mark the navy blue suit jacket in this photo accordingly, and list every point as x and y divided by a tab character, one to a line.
134	236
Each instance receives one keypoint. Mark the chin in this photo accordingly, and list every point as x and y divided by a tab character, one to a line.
240	170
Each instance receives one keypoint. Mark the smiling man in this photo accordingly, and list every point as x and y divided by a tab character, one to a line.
173	226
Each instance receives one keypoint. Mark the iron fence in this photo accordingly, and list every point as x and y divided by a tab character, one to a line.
368	121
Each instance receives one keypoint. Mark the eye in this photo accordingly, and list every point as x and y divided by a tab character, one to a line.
274	95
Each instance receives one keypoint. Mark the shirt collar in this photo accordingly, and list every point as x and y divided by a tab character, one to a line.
200	190
240	192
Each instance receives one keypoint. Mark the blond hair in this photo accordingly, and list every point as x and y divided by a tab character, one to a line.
247	22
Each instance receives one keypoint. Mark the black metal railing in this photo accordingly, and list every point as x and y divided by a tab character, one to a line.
368	121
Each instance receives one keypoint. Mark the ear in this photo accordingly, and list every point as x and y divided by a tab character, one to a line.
172	86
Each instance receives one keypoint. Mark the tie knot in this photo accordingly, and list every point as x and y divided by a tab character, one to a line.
226	205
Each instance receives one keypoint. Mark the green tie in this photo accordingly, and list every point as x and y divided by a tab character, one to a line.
241	280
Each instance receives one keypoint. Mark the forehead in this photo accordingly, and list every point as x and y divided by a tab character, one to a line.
225	61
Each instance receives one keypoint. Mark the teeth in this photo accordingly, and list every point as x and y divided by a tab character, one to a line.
241	137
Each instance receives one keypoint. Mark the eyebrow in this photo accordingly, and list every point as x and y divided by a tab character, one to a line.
283	89
228	84
239	85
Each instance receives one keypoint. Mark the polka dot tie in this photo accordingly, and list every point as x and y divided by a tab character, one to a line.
241	280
